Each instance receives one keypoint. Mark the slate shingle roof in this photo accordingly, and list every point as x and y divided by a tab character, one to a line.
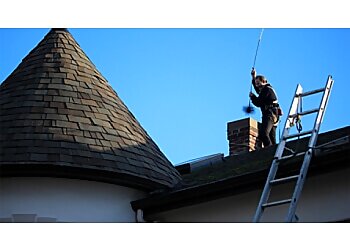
58	110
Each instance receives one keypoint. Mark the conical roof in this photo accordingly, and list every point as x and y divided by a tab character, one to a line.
60	117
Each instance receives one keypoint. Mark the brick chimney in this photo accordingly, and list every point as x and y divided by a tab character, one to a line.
242	136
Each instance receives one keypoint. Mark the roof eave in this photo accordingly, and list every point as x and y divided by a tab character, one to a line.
338	159
82	173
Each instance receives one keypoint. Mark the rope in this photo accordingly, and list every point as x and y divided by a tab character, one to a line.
298	124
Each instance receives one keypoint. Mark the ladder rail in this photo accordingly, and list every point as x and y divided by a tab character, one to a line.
292	110
308	156
266	192
321	111
279	151
294	106
299	186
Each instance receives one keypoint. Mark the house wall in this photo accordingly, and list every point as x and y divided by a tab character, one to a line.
27	199
325	198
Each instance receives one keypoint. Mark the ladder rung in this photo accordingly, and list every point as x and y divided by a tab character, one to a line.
297	135
276	203
305	112
290	156
284	180
311	92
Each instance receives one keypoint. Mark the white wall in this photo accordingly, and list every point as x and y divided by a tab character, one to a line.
65	200
324	198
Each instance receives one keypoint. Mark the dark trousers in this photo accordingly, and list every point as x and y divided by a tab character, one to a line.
267	131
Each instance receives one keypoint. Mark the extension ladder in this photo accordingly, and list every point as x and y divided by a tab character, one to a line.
300	178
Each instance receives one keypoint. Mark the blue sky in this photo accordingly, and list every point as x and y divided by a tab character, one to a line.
185	85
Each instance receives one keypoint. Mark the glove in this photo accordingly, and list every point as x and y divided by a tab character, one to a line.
253	73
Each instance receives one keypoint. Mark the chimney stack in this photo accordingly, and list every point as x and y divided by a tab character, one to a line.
242	136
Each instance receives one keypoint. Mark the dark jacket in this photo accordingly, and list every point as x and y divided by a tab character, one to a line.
266	98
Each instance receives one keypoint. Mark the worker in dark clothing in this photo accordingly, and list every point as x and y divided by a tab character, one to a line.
267	102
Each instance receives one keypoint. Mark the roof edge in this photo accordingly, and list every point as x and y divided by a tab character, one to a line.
62	171
238	184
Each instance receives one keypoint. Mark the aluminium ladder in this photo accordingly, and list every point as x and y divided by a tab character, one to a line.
300	178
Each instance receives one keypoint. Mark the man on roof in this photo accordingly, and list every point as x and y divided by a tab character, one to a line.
268	103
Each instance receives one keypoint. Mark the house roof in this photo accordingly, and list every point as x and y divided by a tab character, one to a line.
241	173
60	117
